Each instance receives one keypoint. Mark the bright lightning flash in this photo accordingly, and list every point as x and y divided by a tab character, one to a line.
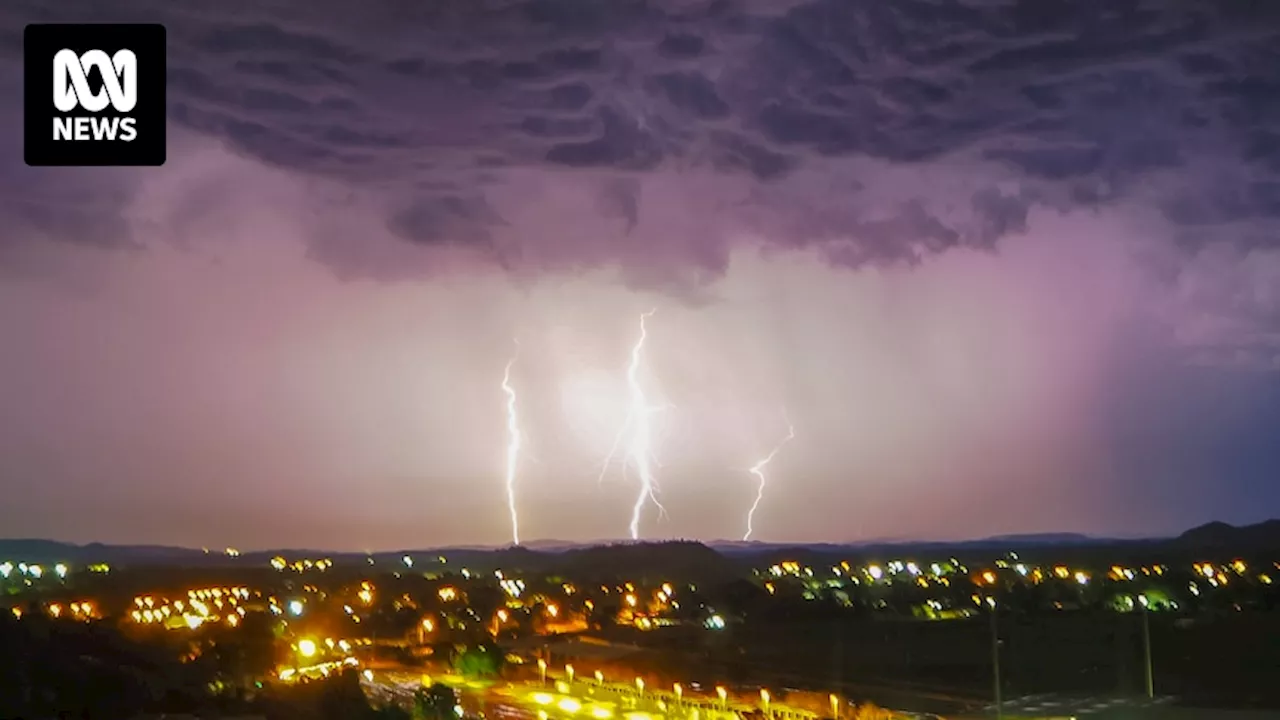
638	433
758	471
513	450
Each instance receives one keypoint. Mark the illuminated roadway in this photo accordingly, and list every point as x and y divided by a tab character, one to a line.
585	698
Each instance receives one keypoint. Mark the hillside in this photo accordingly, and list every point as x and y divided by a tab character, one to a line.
1260	536
672	560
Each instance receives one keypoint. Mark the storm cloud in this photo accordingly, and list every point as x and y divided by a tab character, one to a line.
1084	185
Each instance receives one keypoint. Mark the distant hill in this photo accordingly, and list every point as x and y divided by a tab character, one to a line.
871	547
52	551
1260	536
677	561
1043	539
672	560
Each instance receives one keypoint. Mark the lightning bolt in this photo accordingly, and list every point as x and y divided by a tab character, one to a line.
638	435
758	471
513	447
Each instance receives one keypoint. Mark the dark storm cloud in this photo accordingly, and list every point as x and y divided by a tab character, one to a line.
46	203
430	108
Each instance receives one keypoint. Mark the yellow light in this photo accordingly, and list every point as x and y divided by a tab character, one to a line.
552	610
568	670
542	664
764	696
600	713
599	677
989	577
640	684
542	698
721	692
569	705
306	648
679	691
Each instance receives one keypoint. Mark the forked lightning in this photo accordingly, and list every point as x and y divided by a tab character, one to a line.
513	448
638	434
758	471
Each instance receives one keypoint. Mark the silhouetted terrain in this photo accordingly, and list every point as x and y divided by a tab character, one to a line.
553	555
1262	536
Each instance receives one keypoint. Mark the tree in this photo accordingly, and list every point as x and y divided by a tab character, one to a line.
870	711
246	654
481	661
434	703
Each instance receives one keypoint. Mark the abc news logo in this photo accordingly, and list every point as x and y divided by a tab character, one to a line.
71	91
107	105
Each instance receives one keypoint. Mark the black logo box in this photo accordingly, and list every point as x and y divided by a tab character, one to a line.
40	44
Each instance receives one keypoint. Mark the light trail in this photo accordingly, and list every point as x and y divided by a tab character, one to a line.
513	447
758	471
637	433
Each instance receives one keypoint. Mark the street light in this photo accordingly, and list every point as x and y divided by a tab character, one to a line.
640	685
764	698
724	697
995	659
542	670
1146	645
600	677
679	691
835	706
568	671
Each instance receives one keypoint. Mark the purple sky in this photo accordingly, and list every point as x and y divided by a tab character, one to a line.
1005	270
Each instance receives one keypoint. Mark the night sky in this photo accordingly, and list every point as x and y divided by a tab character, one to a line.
1005	267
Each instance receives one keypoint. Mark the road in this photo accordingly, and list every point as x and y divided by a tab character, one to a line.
563	698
